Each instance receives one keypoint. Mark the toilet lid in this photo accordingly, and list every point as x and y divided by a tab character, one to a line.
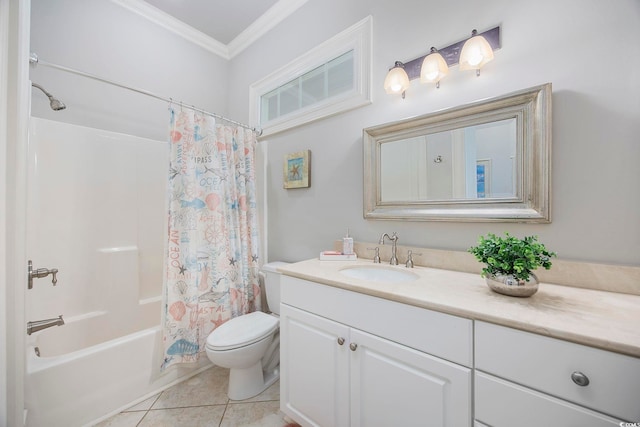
241	331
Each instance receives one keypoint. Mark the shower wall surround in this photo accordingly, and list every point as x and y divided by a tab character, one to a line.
96	211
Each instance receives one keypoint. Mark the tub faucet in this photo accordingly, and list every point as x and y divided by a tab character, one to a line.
39	325
394	248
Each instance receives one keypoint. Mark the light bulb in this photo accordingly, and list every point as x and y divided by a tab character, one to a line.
431	75
474	58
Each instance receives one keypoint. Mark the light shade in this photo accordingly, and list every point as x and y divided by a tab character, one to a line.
434	68
475	53
397	80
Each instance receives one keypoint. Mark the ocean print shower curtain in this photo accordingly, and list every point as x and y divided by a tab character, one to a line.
211	268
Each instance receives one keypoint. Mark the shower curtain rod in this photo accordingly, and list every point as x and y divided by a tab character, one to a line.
33	59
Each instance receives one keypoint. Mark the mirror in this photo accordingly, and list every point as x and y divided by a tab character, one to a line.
474	162
486	161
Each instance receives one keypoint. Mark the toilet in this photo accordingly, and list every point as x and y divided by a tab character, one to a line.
249	345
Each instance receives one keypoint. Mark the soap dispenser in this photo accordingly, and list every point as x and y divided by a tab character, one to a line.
347	244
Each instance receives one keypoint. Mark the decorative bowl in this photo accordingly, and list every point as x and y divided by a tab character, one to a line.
507	284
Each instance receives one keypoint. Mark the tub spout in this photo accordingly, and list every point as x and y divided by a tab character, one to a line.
39	325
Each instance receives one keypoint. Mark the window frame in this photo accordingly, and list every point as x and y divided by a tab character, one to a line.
356	38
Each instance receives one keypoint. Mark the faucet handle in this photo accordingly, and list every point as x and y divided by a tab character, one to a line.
376	257
409	263
39	273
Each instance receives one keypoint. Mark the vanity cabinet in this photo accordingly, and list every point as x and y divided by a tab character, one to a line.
350	359
527	379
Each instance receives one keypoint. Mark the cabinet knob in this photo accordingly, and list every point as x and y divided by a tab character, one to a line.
580	379
340	341
353	346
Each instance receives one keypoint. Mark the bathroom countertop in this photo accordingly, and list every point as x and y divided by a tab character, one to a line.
606	320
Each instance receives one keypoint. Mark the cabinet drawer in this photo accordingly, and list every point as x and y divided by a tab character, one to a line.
442	335
502	404
548	364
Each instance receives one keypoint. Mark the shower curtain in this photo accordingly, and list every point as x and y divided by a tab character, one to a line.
211	267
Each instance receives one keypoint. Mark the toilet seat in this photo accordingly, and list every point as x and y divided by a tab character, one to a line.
242	331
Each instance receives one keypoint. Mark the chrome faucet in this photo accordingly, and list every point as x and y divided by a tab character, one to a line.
409	263
376	257
394	248
39	325
40	272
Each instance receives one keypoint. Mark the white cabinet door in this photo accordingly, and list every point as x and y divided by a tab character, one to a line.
314	379
334	376
394	385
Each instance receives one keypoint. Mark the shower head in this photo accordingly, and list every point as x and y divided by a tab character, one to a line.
55	103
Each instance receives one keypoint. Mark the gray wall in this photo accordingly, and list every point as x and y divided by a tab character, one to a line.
101	38
596	118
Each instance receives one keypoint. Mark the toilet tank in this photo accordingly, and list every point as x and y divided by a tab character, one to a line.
272	284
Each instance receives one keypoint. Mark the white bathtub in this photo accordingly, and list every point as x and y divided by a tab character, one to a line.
84	386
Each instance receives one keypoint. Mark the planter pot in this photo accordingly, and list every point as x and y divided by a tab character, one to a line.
506	284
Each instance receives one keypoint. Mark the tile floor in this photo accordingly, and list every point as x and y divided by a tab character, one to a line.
202	401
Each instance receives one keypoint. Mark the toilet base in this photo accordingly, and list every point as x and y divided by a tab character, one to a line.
249	382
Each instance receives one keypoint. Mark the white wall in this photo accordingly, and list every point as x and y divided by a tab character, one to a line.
101	38
596	118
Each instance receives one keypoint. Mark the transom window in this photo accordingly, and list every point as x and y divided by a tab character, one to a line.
335	77
330	79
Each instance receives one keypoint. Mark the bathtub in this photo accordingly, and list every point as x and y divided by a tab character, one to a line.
71	384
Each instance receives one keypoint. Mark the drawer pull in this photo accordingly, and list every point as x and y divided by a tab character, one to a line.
580	379
340	341
353	346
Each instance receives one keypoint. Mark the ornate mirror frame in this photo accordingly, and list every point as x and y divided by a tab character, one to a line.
531	203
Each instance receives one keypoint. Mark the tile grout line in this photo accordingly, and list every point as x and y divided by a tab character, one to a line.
149	409
224	412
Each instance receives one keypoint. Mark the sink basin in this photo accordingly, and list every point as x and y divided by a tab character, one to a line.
378	274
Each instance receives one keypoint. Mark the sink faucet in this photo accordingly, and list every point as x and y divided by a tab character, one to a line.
394	248
39	325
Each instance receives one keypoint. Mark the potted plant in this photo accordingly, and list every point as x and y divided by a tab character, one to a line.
510	263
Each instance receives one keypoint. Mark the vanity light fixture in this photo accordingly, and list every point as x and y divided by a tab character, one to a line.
434	68
475	53
471	54
397	80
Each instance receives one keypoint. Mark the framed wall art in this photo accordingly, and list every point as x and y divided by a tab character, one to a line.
297	169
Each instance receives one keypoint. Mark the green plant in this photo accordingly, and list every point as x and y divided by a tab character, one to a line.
510	255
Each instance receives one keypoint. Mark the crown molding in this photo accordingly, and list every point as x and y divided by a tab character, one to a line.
272	17
174	25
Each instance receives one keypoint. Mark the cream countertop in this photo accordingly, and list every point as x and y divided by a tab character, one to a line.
605	320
